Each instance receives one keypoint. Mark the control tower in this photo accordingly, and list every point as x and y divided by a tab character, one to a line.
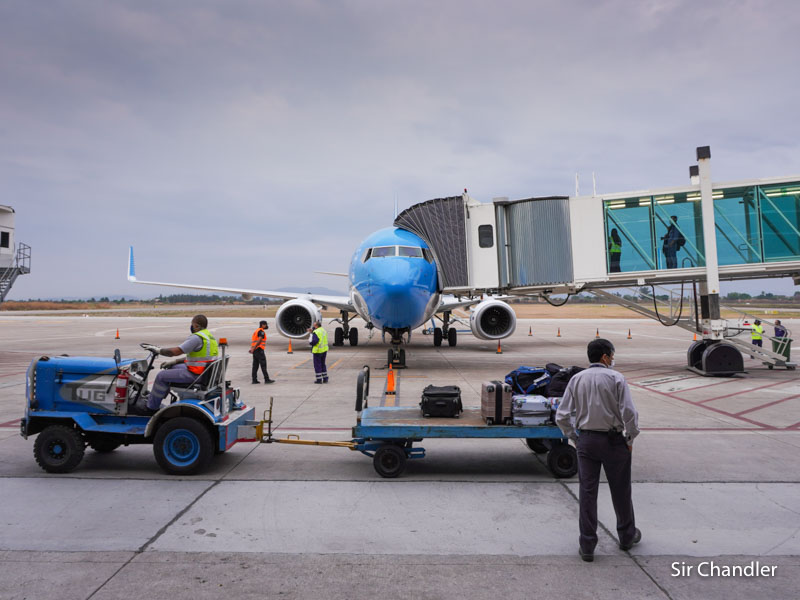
15	259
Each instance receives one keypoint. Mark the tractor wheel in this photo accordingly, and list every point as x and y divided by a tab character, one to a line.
183	446
389	460
562	460
59	448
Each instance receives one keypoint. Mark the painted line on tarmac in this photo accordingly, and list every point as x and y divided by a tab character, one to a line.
764	426
13	384
301	363
767	405
755	389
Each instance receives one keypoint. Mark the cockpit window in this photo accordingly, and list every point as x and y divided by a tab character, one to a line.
410	251
382	251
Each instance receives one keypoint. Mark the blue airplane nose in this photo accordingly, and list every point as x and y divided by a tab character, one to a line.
398	299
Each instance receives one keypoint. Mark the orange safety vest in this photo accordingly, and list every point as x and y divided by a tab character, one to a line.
258	342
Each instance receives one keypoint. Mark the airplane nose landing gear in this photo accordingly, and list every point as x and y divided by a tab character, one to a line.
396	356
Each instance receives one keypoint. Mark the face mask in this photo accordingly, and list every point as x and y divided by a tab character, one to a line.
611	366
191	329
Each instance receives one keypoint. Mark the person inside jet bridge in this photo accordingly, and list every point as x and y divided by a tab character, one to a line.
200	349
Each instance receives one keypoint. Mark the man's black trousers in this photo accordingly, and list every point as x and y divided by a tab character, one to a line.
611	451
259	360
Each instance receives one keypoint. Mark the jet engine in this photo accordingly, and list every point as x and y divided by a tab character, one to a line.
295	317
492	320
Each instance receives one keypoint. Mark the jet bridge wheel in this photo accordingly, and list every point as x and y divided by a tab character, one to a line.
437	336
59	449
562	460
389	460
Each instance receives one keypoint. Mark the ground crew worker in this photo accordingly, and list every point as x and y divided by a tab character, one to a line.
200	349
780	330
257	346
757	333
614	251
319	348
597	413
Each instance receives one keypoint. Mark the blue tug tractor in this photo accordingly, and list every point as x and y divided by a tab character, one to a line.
75	402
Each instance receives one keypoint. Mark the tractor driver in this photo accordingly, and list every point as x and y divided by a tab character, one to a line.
200	349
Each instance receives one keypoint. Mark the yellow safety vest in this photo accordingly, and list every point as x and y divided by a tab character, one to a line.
614	248
198	360
322	343
756	331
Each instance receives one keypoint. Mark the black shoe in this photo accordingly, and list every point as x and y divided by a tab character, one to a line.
637	537
586	556
141	411
255	381
317	381
270	381
324	381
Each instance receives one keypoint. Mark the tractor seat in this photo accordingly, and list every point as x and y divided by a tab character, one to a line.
201	381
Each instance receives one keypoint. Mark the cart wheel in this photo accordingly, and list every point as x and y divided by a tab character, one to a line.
537	446
769	367
389	460
183	446
59	449
562	460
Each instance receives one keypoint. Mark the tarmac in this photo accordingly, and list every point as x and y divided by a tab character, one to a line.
715	470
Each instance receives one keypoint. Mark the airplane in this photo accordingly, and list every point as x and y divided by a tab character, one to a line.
394	288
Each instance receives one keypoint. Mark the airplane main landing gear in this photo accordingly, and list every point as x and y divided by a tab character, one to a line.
445	332
345	332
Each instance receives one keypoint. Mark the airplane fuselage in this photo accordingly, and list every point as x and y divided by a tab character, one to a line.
393	281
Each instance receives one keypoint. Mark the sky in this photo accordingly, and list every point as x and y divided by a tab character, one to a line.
251	143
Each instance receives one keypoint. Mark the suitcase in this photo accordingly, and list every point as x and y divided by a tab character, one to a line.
531	410
496	402
441	401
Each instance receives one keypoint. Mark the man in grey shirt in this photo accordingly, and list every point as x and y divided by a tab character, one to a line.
597	413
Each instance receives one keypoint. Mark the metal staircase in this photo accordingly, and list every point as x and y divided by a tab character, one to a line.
681	312
21	266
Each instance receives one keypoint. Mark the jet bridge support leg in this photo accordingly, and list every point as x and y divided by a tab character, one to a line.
711	356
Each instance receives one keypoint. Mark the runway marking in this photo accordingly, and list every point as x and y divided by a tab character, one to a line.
15	424
767	405
12	374
711	408
302	363
336	363
757	389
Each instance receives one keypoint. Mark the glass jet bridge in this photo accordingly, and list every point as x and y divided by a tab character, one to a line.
697	234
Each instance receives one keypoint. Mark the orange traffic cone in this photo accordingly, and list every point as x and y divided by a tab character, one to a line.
559	332
499	348
695	337
530	331
629	334
117	337
290	348
597	333
390	390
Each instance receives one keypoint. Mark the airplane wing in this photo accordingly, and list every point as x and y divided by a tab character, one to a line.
451	302
340	302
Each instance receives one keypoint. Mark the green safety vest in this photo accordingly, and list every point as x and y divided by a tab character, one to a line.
322	344
615	247
756	331
198	360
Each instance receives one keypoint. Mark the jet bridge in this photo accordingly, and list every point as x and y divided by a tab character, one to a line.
699	233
